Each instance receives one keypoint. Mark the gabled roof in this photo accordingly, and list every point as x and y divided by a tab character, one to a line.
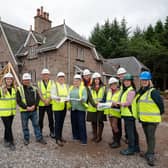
131	64
49	40
15	36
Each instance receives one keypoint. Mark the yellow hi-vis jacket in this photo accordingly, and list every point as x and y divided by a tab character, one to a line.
115	112
145	109
22	94
97	97
46	92
7	103
81	88
62	91
126	111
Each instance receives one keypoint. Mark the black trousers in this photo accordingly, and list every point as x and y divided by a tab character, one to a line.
59	122
42	110
7	121
150	130
133	138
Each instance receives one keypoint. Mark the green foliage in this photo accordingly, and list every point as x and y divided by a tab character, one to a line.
150	45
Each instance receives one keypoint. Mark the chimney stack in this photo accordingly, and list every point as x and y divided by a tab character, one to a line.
41	21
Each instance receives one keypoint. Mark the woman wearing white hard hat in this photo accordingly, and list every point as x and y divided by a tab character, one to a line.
78	98
27	97
45	105
113	96
8	108
120	75
59	93
95	116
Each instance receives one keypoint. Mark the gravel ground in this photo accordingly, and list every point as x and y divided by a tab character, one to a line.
73	155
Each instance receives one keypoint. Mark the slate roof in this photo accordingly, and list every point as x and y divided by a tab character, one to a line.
131	64
15	36
49	39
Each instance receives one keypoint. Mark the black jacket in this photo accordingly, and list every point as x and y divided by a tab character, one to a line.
31	96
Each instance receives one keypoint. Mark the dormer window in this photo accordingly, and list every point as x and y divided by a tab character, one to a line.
32	52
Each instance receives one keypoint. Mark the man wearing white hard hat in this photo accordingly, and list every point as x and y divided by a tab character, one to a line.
27	98
8	108
45	105
113	96
120	75
96	117
78	98
59	93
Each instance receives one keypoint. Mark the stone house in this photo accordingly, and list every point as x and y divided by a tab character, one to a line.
58	48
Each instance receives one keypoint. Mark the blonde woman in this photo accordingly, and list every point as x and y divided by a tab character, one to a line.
8	108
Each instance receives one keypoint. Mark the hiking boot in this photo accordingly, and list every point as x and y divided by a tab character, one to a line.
26	142
150	161
42	141
115	145
127	152
59	143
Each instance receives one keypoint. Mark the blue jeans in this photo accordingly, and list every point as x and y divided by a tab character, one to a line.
132	135
25	116
78	123
59	122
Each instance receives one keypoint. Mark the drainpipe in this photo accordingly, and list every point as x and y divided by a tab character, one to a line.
69	61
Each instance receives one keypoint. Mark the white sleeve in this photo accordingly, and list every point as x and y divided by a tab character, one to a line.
53	92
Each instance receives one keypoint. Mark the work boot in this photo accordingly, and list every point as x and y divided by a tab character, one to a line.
42	141
150	161
52	135
94	130
26	142
6	144
59	143
127	152
100	132
116	138
63	140
12	146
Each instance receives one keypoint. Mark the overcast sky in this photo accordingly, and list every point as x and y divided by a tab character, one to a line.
82	15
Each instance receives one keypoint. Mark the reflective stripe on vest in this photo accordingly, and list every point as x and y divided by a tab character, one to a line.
148	110
113	98
46	92
22	94
125	111
97	97
62	92
81	88
7	103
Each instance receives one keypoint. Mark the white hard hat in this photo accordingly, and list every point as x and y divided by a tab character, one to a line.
45	71
77	76
60	74
86	72
26	76
121	71
112	80
8	75
96	75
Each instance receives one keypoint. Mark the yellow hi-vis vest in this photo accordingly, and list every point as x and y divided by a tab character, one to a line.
81	88
46	92
7	103
97	97
146	109
126	111
115	112
62	91
22	94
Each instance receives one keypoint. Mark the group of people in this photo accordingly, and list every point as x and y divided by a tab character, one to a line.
84	99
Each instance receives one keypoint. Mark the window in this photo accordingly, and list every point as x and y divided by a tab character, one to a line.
32	52
80	54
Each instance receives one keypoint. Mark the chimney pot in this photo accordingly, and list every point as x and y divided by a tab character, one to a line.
38	12
42	14
45	15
